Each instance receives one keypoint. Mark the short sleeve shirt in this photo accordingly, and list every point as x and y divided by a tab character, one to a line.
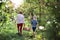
20	18
34	23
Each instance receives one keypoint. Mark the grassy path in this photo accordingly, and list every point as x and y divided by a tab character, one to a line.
9	33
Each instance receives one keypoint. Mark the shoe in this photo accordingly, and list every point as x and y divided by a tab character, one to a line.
17	33
20	34
31	36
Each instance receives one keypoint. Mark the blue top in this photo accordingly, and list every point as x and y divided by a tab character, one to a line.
34	23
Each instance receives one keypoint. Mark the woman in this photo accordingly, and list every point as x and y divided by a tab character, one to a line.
20	22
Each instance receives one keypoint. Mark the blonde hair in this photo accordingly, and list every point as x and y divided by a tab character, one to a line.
34	17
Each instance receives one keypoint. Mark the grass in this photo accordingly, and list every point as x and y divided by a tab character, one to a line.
10	30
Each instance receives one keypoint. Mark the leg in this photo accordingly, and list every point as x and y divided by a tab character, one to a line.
18	27
34	28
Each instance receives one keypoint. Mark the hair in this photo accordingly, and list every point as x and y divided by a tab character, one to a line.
20	12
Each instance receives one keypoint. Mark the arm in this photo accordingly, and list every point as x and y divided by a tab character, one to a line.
31	25
24	22
37	25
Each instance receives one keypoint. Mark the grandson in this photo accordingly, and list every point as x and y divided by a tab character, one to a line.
34	24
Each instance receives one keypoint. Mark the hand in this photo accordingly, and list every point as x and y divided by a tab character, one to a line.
24	24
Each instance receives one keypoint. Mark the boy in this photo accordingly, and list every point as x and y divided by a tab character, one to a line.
34	24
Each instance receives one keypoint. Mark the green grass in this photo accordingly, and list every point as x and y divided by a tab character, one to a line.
10	30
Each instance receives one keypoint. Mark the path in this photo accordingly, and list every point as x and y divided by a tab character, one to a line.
9	33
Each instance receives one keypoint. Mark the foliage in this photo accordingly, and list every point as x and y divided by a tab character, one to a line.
46	10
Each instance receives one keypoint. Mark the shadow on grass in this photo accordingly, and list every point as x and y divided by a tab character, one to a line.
11	36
